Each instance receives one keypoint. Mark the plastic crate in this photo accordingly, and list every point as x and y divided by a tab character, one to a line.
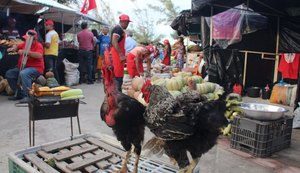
32	160
261	138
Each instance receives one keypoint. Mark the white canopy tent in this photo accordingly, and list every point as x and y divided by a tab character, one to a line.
49	9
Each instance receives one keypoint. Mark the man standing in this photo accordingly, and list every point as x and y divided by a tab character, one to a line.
86	46
33	68
51	48
118	49
103	43
130	43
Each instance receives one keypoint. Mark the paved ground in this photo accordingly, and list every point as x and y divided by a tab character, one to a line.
221	159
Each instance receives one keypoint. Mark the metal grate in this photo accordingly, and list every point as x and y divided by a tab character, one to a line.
88	154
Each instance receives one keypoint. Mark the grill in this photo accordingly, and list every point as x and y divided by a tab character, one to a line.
84	154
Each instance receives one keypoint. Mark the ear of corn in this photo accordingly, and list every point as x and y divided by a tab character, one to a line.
71	92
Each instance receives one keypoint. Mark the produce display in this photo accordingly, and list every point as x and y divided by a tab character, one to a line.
184	82
232	109
11	42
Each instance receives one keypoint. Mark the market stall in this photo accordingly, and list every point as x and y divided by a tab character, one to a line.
34	12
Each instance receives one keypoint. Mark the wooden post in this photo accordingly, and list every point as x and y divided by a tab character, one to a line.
277	55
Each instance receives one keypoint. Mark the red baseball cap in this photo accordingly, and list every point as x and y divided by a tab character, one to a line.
124	17
49	22
32	31
150	48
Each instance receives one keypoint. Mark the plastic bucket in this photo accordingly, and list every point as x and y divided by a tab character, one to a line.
253	92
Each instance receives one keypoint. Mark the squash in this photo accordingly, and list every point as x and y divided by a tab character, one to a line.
137	83
154	78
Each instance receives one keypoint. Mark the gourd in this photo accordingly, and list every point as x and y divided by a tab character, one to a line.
174	84
137	83
205	88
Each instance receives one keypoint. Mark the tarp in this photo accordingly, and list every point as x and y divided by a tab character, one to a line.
287	11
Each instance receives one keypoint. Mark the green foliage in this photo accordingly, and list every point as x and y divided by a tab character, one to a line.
167	9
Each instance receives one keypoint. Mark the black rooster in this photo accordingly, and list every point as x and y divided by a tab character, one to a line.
187	123
124	115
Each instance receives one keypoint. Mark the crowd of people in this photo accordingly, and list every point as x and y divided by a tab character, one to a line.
124	50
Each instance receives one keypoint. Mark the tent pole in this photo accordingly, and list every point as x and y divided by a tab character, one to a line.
211	27
277	55
245	68
62	27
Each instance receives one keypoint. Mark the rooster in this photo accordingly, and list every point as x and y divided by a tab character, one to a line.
187	123
124	115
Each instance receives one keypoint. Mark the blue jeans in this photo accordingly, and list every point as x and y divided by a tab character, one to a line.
86	60
50	65
26	76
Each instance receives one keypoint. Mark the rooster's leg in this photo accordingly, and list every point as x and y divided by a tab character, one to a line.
124	164
137	150
192	165
136	163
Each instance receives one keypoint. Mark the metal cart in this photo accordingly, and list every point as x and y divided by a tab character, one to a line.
51	107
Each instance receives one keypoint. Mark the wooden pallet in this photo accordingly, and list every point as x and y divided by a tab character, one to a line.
86	155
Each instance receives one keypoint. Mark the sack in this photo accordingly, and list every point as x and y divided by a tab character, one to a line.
296	121
71	73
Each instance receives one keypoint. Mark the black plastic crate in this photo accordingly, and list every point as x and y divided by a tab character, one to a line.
261	138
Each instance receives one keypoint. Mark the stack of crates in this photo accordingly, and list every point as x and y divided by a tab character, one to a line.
261	138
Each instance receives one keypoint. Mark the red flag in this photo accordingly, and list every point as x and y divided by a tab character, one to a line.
88	5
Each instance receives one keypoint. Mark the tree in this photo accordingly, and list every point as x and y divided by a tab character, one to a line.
144	26
167	9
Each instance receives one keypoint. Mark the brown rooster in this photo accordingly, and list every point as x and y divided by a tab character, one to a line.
124	115
187	123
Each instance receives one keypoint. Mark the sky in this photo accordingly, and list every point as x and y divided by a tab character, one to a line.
126	6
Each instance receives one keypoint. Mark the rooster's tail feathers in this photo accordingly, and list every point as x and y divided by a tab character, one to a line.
154	146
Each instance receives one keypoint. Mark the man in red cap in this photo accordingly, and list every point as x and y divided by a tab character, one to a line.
118	37
33	68
51	48
135	60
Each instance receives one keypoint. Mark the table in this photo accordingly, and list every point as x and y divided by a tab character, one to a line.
51	107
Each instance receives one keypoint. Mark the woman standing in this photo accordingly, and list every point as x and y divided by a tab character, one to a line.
167	52
180	53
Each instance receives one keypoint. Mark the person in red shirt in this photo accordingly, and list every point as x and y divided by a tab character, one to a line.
33	68
167	52
135	60
118	37
86	46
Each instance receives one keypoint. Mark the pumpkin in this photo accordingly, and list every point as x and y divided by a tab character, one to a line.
175	93
137	83
174	84
136	94
206	87
130	92
197	79
154	78
160	82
